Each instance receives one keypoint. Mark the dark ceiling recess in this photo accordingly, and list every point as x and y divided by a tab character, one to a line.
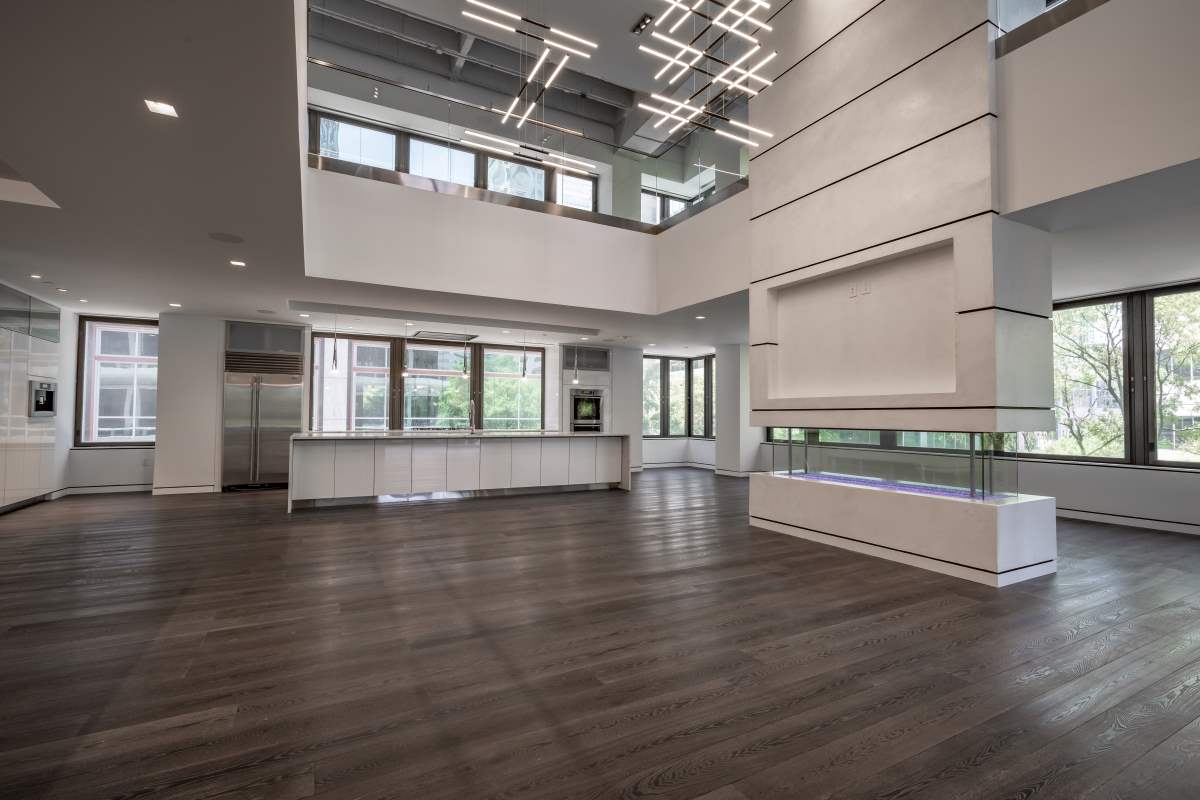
640	27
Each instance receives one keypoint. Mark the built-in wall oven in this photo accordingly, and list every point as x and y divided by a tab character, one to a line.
587	410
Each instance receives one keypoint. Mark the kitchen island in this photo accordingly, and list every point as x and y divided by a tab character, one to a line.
336	467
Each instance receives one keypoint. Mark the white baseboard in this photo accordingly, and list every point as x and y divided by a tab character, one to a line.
185	490
728	473
1132	522
116	489
669	464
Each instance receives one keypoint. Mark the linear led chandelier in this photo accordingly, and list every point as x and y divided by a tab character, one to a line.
550	36
506	147
729	21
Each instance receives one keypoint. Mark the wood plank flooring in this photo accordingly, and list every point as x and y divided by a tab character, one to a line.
596	645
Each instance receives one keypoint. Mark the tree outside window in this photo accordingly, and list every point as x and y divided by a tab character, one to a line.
1177	376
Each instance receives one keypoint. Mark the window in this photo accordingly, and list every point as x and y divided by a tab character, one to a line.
437	386
698	407
441	163
867	438
652	396
1089	384
357	143
118	393
1175	392
677	396
513	177
785	435
575	191
351	384
512	388
658	207
933	440
651	208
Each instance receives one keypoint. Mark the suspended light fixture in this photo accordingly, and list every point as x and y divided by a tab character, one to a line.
717	20
404	361
575	380
514	149
335	364
518	21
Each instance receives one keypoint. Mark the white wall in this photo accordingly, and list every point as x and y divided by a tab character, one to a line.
374	232
705	256
190	382
1110	95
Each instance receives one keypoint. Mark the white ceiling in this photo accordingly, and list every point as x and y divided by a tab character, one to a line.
139	194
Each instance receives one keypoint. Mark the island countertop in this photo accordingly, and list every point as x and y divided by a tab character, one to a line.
319	436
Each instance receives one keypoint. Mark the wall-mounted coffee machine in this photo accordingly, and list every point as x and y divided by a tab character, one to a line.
587	410
43	398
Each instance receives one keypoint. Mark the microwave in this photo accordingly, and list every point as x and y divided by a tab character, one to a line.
43	396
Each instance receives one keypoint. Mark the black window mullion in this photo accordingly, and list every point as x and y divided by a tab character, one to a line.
710	393
1139	364
664	397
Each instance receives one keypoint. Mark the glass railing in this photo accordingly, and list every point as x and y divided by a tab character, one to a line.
1023	21
450	144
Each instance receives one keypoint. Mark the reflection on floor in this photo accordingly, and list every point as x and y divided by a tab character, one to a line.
588	645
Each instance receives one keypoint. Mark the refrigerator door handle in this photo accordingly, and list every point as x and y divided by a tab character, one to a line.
255	428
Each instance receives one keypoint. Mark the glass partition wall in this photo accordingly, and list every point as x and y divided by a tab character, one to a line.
380	383
459	143
975	466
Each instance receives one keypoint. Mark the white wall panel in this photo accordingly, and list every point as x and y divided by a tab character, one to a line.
109	469
190	380
705	256
608	460
880	44
946	180
374	232
1106	97
937	95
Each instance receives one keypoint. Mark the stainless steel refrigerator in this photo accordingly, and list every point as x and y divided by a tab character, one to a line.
262	411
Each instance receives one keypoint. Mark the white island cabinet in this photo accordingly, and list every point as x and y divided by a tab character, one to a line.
371	464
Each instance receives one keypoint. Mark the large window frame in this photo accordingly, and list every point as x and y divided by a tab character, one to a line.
403	162
82	382
397	368
663	202
700	425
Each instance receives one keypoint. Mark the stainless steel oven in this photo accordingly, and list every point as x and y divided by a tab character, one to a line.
43	398
587	410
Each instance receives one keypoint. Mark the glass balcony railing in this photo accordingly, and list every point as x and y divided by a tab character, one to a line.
454	146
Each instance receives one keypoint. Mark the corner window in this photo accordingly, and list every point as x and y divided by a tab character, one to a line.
1175	392
357	143
677	396
117	396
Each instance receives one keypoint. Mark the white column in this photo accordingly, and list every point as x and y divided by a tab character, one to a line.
625	396
738	444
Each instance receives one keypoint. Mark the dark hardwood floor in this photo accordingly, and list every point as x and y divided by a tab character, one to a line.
595	645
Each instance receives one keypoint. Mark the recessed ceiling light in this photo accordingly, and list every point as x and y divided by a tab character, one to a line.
60	289
82	300
349	327
652	344
410	324
239	264
175	305
500	331
36	277
701	316
159	107
306	316
583	338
